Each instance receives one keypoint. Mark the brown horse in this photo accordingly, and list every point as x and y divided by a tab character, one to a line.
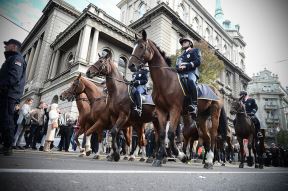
85	120
120	104
245	129
93	111
168	97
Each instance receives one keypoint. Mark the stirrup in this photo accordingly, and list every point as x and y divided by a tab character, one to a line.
138	110
259	135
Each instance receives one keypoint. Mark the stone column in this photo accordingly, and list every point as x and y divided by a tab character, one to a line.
93	51
27	57
55	64
35	58
29	63
78	46
51	65
84	44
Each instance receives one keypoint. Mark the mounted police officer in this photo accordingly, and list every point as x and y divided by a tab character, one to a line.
139	81
251	108
12	81
187	65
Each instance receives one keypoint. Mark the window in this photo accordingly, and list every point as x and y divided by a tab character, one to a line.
142	10
181	12
122	63
207	35
228	78
69	60
217	41
55	99
242	64
196	24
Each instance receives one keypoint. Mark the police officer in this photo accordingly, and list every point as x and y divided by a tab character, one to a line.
139	81
12	80
251	108
187	64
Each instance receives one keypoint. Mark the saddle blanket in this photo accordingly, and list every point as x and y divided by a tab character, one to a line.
203	90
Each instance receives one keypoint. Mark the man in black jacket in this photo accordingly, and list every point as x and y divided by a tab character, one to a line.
12	81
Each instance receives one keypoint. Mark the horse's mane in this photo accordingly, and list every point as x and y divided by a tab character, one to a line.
163	54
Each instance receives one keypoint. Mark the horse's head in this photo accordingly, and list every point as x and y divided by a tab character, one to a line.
237	107
141	54
102	66
74	90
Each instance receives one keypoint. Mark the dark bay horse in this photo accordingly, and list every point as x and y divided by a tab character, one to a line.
168	97
120	104
93	111
245	129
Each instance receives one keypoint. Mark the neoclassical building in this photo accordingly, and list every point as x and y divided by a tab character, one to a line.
272	101
64	42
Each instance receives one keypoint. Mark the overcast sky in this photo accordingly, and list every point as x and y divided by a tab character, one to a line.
263	24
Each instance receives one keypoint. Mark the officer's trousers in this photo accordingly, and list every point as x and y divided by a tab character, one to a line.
7	124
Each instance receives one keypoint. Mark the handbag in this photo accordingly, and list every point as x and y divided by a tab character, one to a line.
55	124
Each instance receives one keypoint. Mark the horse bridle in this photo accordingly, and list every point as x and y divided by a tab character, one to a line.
141	59
102	67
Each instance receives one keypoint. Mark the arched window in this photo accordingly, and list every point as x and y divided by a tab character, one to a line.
181	11
55	99
228	78
217	42
207	34
122	63
107	50
196	24
69	60
242	64
142	10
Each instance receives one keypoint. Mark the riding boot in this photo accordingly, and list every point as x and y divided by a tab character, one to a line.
192	108
138	103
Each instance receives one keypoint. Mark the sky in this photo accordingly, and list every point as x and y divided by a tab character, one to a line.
263	24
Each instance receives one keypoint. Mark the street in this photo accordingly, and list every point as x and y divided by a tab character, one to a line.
34	170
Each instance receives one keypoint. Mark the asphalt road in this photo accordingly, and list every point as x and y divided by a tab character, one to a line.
28	170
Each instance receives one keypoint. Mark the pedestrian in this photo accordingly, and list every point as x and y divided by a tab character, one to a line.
22	122
12	81
52	125
43	131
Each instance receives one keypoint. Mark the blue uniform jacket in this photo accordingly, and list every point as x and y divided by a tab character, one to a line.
191	56
12	75
141	78
250	106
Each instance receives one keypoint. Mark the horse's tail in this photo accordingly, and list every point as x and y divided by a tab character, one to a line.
223	124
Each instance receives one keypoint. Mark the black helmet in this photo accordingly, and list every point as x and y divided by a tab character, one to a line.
243	93
13	41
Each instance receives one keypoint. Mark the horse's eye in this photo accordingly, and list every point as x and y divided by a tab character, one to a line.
141	46
101	61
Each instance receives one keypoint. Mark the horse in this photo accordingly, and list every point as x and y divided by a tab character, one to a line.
96	117
85	120
120	104
168	98
245	129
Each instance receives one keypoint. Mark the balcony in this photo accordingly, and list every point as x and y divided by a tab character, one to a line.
270	107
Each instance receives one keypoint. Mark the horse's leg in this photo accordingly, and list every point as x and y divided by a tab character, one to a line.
240	140
127	134
141	142
251	145
174	120
76	138
100	146
185	143
209	155
223	152
161	153
122	119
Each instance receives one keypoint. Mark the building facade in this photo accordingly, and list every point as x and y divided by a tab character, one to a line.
64	42
272	101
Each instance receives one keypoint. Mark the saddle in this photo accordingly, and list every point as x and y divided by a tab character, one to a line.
203	90
146	99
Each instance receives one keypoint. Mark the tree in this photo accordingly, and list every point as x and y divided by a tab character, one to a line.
211	65
282	138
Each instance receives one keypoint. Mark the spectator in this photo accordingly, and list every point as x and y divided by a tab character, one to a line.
12	81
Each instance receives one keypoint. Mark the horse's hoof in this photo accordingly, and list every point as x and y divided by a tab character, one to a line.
88	152
142	159
184	159
109	158
96	157
223	164
256	165
125	158
116	157
82	150
208	165
157	163
261	166
241	165
131	158
149	160
250	164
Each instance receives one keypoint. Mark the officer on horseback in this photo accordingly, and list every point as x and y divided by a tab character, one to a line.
139	81
251	108
187	64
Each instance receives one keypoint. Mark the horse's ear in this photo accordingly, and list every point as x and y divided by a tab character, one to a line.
144	35
99	55
79	76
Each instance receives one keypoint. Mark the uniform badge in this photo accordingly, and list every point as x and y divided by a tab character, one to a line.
18	63
188	55
139	75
